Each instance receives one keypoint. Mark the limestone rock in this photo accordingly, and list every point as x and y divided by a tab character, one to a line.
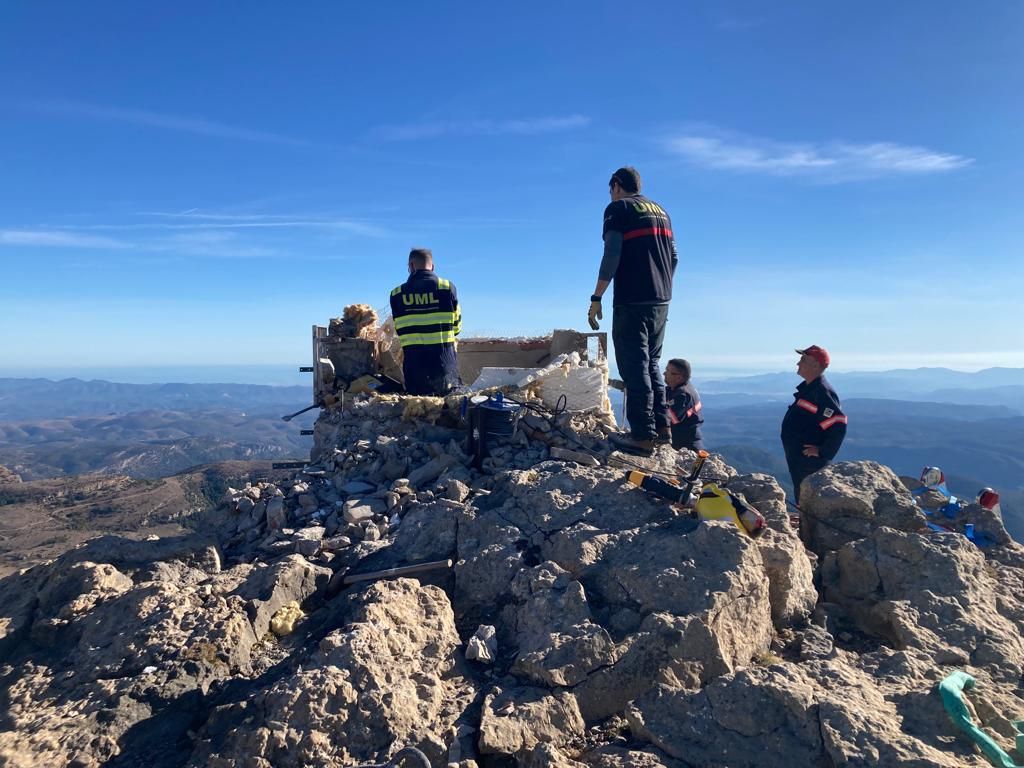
846	501
358	488
933	592
431	470
564	454
277	518
270	588
428	532
557	640
373	686
519	719
456	490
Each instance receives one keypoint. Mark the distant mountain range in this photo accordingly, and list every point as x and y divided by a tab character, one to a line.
33	399
148	444
970	424
56	428
992	386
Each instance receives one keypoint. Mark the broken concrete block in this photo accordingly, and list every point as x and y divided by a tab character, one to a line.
483	645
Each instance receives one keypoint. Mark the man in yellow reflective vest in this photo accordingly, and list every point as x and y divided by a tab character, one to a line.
427	319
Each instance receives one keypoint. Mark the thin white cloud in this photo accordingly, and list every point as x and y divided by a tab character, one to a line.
200	126
828	161
195	219
521	127
57	238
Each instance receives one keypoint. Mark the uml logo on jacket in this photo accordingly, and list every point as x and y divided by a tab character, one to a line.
648	207
409	299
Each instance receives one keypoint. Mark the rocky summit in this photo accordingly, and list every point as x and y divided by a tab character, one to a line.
555	615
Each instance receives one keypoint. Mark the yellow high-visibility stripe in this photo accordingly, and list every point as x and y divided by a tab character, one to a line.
427	318
442	337
443	284
396	291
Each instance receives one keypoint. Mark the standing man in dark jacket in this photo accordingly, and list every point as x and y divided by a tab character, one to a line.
427	319
684	407
814	426
640	257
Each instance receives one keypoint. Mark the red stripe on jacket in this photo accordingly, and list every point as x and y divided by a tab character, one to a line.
834	420
649	231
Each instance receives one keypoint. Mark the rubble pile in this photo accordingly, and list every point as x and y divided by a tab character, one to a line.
358	321
570	618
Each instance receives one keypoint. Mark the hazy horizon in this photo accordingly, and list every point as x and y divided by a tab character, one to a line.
288	375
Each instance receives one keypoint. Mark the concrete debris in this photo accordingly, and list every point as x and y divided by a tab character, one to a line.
630	634
483	645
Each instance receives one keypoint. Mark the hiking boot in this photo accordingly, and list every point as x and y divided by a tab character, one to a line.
631	444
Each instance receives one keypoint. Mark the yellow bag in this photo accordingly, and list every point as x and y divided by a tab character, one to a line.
716	503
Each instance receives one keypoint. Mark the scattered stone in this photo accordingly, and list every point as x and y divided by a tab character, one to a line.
483	645
456	490
358	488
336	543
357	513
431	470
564	454
277	518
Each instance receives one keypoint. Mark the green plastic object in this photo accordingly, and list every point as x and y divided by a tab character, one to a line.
951	689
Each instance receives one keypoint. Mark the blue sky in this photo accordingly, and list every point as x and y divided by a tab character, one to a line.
197	183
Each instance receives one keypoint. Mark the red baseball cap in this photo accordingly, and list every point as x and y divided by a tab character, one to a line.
818	353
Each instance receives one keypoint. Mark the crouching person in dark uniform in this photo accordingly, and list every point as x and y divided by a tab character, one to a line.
684	406
814	426
427	319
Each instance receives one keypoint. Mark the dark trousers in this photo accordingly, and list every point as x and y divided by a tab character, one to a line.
687	437
638	331
430	369
800	467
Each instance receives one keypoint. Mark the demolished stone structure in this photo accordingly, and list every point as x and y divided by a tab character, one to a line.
583	622
355	345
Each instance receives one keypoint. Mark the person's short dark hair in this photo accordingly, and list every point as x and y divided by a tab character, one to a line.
421	258
628	178
683	366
